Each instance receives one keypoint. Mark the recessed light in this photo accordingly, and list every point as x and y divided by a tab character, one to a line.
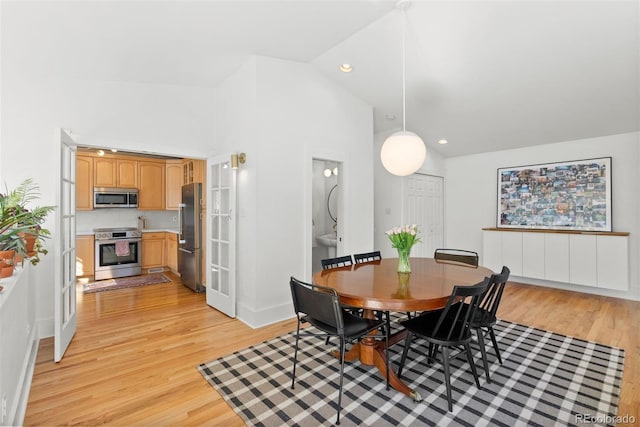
346	68
442	141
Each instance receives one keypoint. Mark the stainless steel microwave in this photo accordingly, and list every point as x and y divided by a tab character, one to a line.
104	197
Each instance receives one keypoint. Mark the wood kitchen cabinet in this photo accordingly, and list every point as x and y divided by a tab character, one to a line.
153	250
151	185
171	242
84	183
85	255
115	172
173	175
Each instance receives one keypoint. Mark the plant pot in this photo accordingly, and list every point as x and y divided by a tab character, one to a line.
6	270
29	243
7	258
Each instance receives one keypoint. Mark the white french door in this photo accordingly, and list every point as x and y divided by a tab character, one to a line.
221	235
65	280
424	206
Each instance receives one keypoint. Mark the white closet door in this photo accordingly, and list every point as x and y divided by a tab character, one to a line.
424	207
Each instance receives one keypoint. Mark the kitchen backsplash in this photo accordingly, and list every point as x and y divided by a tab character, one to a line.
101	218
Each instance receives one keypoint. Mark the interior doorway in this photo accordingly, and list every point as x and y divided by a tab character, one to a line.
325	219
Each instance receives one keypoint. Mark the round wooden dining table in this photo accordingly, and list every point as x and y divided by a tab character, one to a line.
377	286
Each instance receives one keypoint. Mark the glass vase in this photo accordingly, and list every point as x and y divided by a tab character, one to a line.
403	260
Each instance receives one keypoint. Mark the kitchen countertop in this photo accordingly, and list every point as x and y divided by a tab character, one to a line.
160	230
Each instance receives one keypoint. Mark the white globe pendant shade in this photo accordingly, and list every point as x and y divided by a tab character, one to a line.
403	153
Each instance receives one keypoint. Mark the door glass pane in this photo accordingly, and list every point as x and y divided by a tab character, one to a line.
224	201
224	228
224	282
225	176
213	224
215	280
214	253
215	201
224	254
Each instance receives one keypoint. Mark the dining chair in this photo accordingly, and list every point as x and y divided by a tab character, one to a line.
457	256
485	315
320	306
367	257
343	261
447	329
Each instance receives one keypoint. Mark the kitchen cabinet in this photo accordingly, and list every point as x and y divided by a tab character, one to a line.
104	172
193	171
151	185
173	175
115	172
85	255
153	250
171	242
84	183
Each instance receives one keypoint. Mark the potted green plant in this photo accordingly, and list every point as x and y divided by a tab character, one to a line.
22	228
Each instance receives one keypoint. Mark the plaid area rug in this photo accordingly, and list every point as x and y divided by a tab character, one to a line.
125	282
546	379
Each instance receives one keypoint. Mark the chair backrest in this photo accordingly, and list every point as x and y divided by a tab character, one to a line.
491	299
460	309
343	261
367	257
318	303
458	256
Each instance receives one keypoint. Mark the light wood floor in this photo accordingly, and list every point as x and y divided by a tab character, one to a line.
133	359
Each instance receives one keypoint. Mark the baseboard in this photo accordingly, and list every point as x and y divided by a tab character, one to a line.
263	317
17	413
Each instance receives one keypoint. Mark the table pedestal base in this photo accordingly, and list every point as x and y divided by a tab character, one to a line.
371	352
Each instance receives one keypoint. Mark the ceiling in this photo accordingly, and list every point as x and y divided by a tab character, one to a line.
485	75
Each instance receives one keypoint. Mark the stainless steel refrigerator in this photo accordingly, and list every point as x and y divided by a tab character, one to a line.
190	239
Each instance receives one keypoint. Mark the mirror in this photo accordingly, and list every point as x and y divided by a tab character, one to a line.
331	204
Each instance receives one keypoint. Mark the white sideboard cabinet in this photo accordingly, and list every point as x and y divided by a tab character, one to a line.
597	259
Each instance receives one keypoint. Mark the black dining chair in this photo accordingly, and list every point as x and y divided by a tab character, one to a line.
456	256
343	261
485	316
367	257
447	329
320	306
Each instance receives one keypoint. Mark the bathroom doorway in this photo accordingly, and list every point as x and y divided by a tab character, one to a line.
325	221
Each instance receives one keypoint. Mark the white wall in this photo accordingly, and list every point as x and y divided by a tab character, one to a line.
389	194
284	114
471	192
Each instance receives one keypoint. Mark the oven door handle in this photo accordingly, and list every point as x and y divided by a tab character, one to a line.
113	241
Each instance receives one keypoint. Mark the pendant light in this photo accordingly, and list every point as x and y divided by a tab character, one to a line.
404	152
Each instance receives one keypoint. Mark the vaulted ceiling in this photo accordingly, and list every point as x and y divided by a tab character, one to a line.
485	75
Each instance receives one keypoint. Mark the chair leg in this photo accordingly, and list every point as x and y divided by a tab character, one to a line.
467	346
495	343
447	375
407	344
295	357
483	351
386	347
342	349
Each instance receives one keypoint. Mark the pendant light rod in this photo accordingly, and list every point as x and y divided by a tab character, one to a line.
404	89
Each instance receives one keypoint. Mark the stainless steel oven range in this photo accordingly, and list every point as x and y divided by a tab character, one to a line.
118	252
